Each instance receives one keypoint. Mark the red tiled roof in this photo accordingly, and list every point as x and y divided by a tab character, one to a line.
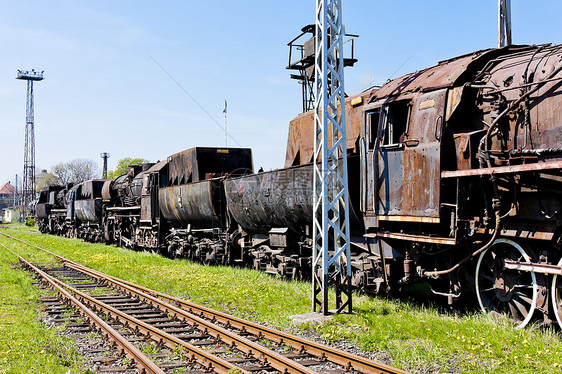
7	189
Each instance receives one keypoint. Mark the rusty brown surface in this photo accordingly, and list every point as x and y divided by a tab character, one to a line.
194	203
443	75
149	192
541	166
88	210
414	238
512	77
278	198
92	188
200	163
300	142
408	182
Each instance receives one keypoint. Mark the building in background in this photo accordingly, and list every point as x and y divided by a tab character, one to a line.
7	192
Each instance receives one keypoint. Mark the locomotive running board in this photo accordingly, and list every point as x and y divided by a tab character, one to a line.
533	267
412	238
539	166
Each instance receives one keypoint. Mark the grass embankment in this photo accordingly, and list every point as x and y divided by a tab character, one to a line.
412	337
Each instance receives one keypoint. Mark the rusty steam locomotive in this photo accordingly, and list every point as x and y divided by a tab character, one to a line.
455	176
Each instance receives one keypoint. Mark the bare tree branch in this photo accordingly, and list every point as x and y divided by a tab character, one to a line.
76	171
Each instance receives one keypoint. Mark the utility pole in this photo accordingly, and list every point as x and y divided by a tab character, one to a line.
331	243
105	156
504	23
16	194
28	190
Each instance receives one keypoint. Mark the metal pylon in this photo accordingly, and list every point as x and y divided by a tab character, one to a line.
504	23
29	152
331	251
28	190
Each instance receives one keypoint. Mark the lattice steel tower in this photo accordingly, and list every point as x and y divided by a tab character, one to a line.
331	252
28	190
105	156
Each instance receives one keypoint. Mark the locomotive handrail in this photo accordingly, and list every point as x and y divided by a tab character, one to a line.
539	166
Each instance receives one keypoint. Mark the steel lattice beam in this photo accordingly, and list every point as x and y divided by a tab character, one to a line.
331	243
28	191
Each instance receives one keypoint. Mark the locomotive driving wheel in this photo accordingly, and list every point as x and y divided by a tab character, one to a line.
556	295
502	290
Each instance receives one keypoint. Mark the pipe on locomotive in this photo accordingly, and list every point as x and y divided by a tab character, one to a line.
431	274
509	109
496	203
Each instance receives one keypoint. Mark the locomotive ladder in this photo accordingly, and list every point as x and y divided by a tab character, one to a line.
331	263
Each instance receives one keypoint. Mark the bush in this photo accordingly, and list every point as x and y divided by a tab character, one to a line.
30	221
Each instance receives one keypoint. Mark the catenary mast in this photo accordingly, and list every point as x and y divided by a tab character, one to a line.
331	235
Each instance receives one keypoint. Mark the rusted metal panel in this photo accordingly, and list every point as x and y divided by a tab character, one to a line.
106	191
88	210
196	204
466	146
70	199
300	142
416	238
149	194
200	163
281	199
92	188
443	75
540	166
409	219
278	198
510	78
390	182
42	210
409	174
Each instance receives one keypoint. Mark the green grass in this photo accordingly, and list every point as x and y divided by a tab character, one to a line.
412	337
26	345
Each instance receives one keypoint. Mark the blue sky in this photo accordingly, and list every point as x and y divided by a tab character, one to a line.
103	92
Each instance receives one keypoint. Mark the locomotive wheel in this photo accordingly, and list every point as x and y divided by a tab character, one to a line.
556	295
500	290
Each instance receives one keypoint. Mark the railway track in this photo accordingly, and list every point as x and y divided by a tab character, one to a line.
212	341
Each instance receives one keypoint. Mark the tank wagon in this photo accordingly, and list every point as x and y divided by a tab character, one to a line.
455	181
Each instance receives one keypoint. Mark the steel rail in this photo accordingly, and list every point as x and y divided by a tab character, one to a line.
215	363
276	360
138	359
323	351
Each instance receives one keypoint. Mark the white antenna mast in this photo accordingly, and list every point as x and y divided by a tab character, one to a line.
504	23
225	130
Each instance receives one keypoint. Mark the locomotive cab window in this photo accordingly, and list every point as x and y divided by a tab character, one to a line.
372	121
396	123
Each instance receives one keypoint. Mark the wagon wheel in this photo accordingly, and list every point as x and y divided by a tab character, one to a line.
506	291
556	293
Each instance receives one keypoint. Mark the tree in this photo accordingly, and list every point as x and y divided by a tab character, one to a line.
76	171
45	179
123	166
